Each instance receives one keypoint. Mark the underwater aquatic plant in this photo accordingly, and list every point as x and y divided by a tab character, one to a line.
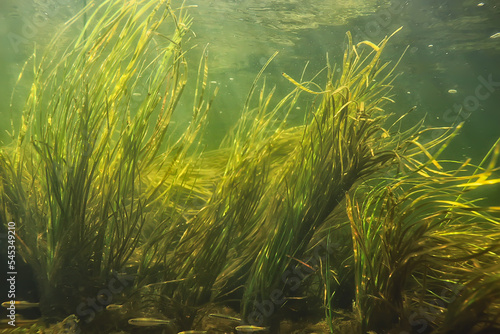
76	180
267	206
192	260
338	147
418	239
96	185
477	308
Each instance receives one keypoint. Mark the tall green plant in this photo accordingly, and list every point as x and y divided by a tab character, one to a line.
76	183
417	239
339	146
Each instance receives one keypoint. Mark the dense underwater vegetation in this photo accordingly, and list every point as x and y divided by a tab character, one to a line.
349	222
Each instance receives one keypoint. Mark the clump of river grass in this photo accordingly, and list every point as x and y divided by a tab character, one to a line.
348	213
88	166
